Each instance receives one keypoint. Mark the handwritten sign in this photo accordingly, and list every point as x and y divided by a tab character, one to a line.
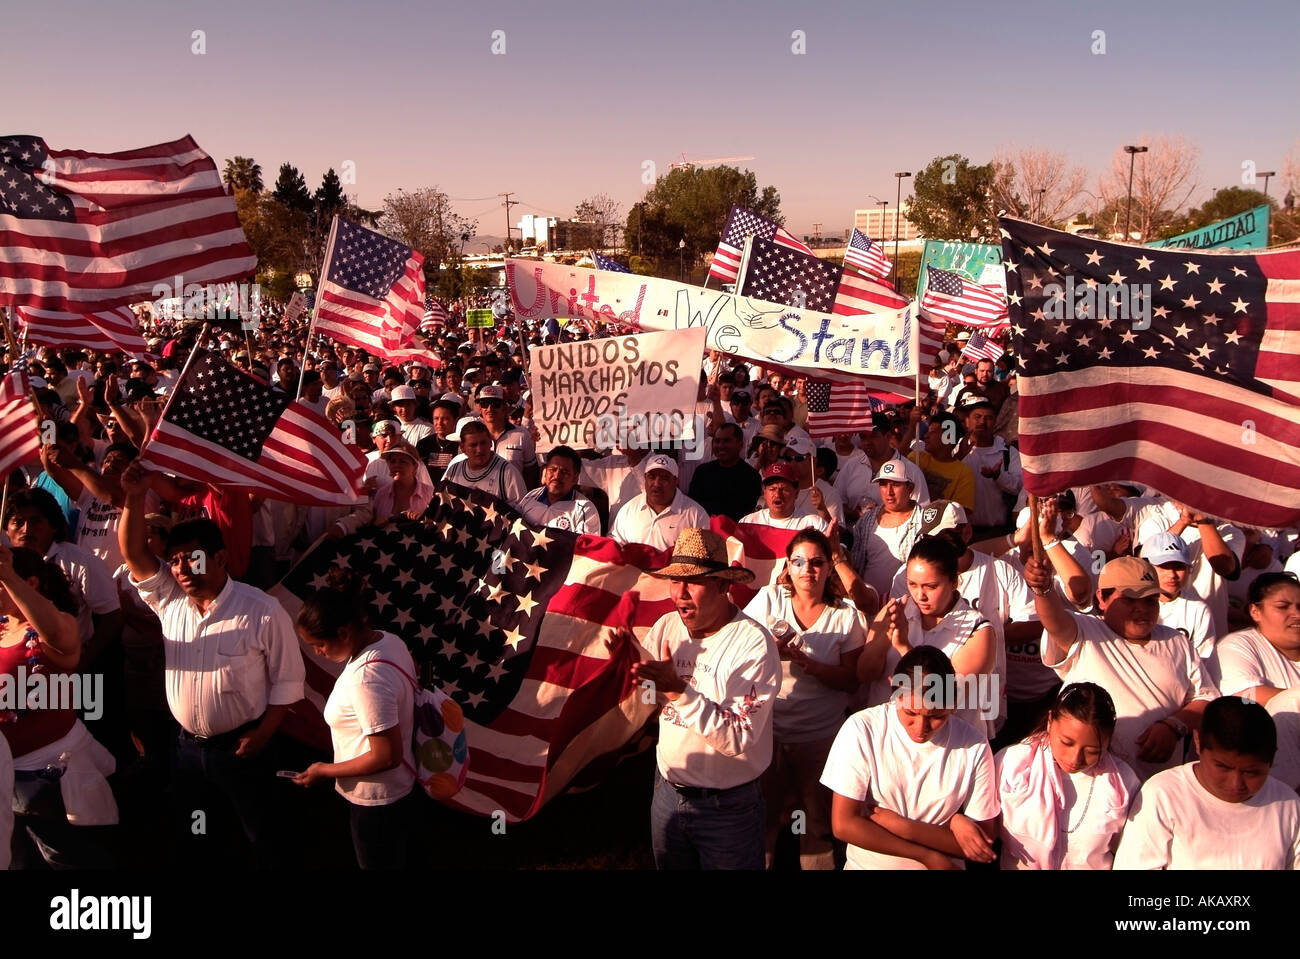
617	392
1245	231
767	333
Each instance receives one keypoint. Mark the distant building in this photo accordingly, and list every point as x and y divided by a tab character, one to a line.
554	233
879	223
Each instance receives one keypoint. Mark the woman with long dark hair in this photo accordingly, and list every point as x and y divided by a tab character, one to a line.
1064	795
371	715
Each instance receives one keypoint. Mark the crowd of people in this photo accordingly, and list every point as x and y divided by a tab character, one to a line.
916	686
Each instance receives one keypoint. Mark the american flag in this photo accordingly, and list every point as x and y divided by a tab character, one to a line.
609	263
435	317
859	293
866	253
839	407
776	274
222	426
952	298
86	231
20	440
107	330
373	292
740	224
511	620
1193	389
980	347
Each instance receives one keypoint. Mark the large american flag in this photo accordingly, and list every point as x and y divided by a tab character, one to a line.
609	263
107	330
776	274
1203	403
864	252
952	298
511	620
222	426
372	295
20	440
980	347
740	224
836	407
86	231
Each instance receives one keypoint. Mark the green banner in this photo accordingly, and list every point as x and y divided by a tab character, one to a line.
981	262
1245	231
479	319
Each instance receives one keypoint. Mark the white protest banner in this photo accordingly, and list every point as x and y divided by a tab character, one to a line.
618	391
767	333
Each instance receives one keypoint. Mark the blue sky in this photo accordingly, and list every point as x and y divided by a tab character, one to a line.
412	94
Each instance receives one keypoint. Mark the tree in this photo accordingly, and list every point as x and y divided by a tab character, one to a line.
692	205
424	221
242	173
952	200
602	212
291	190
329	198
1163	179
1037	185
1225	203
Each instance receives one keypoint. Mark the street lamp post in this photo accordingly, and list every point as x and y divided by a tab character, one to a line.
681	256
640	212
1132	152
1266	174
898	212
1041	193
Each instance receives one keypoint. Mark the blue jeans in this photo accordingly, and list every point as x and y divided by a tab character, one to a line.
247	783
720	830
381	835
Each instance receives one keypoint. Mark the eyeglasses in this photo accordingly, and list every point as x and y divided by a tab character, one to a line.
799	562
562	471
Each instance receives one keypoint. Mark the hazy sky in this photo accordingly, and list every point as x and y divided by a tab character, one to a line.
585	92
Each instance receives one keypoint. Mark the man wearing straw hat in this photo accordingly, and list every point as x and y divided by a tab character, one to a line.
716	673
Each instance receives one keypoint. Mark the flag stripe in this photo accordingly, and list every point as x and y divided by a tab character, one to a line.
107	330
20	441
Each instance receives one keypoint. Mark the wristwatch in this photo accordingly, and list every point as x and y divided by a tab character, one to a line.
1178	726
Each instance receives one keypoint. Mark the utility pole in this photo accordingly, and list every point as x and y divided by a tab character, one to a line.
508	204
817	233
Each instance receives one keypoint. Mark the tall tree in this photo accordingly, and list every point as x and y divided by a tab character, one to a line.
291	190
424	221
242	173
952	199
692	205
329	198
1037	185
603	212
1164	178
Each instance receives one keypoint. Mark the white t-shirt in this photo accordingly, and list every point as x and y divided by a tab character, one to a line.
92	584
856	480
874	760
1191	617
718	733
368	699
1176	823
1147	682
879	551
807	709
97	528
796	520
1247	659
949	635
1285	710
577	513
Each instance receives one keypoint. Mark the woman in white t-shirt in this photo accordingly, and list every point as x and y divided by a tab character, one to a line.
1064	796
819	637
933	613
1224	811
1259	663
371	715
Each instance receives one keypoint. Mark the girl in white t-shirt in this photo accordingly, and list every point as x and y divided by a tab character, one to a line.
933	613
820	638
1259	663
1064	795
371	715
1224	811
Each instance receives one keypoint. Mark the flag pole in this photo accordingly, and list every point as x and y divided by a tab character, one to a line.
203	335
1035	534
315	312
14	351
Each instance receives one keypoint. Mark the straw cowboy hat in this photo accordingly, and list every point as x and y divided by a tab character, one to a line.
702	552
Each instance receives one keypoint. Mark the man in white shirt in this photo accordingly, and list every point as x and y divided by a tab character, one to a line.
658	515
995	466
1151	671
856	481
557	503
914	786
1187	614
780	493
513	443
716	673
233	663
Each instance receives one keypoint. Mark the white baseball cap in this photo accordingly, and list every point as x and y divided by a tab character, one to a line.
661	462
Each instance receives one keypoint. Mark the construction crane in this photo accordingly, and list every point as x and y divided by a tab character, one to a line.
685	164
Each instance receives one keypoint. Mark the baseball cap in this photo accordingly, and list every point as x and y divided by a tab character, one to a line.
403	394
1133	577
740	396
460	423
971	401
385	426
491	393
799	444
1164	548
781	470
892	471
941	514
370	368
451	398
661	462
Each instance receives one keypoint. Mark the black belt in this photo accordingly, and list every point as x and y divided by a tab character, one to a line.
705	792
226	740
